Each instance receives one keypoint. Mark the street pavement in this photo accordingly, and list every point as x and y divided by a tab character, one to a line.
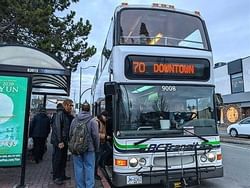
39	175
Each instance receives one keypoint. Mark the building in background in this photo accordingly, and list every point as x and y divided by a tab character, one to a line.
232	81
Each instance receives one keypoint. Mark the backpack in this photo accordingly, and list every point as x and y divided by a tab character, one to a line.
78	142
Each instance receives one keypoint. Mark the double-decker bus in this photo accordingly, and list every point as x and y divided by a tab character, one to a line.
155	79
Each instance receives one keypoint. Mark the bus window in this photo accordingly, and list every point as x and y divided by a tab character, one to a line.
188	41
161	27
143	106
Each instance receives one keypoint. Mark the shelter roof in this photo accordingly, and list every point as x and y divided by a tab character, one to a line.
49	75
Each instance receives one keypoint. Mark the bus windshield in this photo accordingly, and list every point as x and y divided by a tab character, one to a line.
165	110
161	27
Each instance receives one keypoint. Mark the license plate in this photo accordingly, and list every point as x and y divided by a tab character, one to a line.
134	179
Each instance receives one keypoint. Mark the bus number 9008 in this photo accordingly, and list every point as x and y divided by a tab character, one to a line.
168	88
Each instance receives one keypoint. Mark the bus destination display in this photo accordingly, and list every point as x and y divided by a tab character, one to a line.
147	67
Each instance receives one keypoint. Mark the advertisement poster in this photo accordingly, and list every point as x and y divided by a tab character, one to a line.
13	93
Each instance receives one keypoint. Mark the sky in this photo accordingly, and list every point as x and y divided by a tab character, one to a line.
227	21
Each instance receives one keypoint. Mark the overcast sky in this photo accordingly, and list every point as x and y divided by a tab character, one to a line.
227	21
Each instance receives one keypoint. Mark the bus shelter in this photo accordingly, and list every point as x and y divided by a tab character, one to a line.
24	71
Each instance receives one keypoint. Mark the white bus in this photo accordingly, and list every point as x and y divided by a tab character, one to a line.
155	79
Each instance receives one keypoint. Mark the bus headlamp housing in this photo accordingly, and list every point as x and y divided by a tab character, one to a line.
142	161
203	158
211	157
133	162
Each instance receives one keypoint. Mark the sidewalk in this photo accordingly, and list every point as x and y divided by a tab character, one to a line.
38	175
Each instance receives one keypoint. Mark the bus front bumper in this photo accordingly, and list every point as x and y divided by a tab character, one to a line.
158	177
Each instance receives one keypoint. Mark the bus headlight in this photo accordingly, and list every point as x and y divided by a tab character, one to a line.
142	161
133	162
203	158
211	157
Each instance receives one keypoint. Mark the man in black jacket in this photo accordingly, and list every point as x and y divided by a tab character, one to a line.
39	131
59	139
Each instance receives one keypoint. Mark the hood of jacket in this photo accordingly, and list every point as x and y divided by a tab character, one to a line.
84	116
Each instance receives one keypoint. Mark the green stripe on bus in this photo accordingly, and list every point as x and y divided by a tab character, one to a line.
130	146
143	146
212	143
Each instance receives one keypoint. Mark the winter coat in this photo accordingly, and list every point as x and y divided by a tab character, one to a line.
102	130
60	127
40	126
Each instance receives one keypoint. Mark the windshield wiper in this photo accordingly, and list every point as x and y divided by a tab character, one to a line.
182	128
175	131
198	136
143	140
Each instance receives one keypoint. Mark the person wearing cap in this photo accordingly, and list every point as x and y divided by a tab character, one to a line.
84	164
60	139
104	137
39	131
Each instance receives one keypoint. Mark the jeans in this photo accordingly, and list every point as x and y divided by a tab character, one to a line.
84	168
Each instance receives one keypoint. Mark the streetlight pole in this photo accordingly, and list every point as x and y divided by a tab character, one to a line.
80	86
80	89
85	91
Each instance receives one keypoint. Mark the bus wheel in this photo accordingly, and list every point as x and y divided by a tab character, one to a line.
233	133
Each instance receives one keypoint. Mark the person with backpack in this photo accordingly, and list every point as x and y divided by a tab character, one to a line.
84	142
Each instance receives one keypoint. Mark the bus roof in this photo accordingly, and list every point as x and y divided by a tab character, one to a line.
157	6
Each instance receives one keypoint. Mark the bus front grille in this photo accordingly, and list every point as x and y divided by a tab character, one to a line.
173	161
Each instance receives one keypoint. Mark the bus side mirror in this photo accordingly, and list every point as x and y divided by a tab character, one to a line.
218	100
110	88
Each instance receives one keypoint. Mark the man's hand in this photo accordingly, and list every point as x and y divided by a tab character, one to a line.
61	145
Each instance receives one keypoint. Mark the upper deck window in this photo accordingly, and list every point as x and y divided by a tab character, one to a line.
162	28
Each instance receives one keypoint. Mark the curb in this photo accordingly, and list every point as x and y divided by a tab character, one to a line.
104	181
234	140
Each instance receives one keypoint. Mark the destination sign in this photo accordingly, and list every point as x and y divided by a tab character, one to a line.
164	68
